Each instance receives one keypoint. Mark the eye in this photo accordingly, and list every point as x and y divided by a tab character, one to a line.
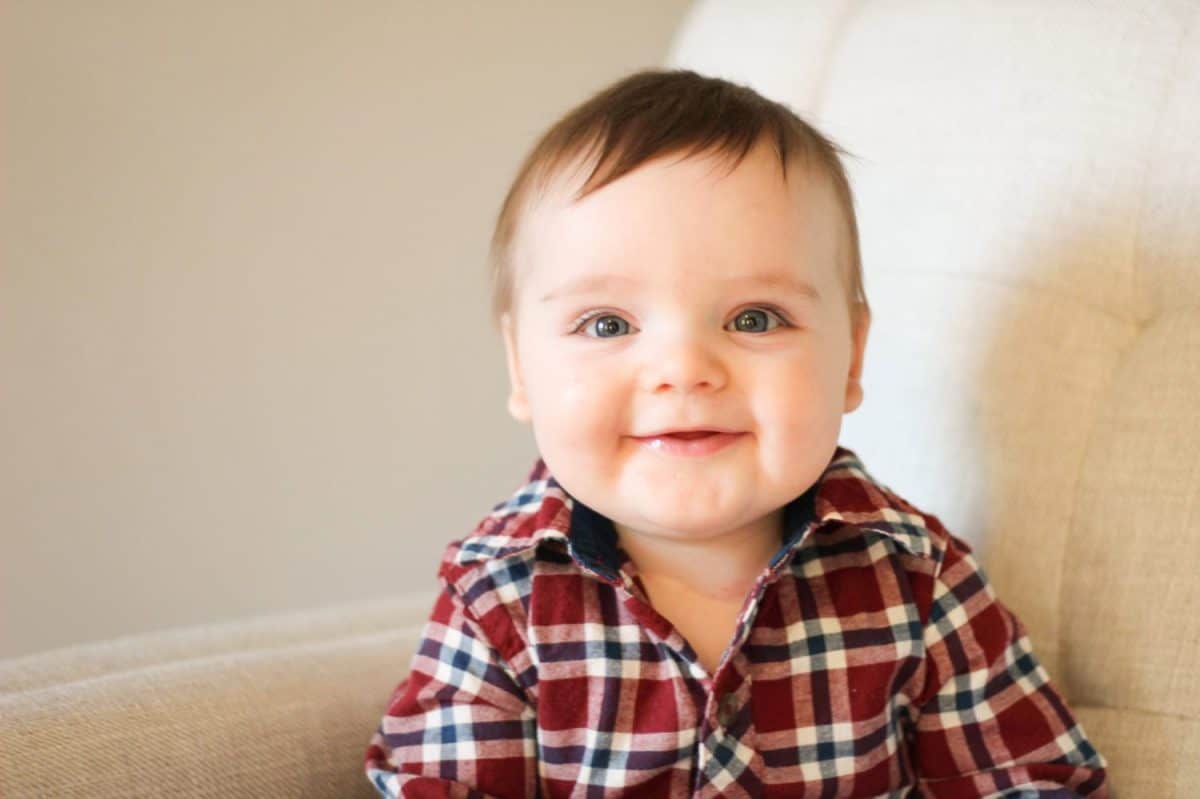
611	323
746	322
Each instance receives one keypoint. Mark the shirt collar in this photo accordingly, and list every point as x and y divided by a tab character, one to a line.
541	510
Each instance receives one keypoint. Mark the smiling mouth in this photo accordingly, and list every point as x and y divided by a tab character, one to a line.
694	443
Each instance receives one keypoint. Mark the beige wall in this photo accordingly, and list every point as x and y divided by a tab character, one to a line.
245	362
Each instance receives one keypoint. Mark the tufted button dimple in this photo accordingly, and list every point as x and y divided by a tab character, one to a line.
727	708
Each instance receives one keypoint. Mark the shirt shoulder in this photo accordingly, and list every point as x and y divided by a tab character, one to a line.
536	512
851	501
491	570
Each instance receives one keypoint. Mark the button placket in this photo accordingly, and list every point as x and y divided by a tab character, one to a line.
731	691
727	708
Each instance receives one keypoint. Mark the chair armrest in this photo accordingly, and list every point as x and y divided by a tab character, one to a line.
272	706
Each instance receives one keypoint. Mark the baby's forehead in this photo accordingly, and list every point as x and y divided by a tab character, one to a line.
756	177
760	215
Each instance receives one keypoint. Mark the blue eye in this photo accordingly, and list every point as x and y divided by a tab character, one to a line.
609	323
748	314
745	322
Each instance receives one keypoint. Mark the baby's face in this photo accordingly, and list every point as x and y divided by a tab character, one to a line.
639	309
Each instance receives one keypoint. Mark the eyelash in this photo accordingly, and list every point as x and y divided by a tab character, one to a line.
580	322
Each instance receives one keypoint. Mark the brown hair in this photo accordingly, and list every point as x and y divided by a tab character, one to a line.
658	112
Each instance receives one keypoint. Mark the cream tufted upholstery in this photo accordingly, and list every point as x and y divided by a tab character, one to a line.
1028	183
1029	189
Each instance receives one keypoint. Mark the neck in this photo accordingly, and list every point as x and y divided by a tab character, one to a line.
720	567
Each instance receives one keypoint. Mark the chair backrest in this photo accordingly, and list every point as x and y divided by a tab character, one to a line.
1027	181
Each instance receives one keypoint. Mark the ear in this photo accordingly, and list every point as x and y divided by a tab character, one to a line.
861	324
518	403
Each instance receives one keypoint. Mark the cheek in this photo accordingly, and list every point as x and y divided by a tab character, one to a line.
580	423
576	401
793	402
799	421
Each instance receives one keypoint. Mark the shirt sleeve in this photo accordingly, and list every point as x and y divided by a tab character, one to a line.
458	725
989	723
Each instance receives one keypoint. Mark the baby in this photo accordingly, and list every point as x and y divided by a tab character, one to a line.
696	592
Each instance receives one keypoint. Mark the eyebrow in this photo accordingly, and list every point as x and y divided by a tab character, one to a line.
589	284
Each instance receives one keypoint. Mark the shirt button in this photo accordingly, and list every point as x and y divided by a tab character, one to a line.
727	709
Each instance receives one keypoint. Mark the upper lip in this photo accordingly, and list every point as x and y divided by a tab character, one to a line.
708	428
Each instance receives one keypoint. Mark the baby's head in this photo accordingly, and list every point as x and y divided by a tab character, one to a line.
680	253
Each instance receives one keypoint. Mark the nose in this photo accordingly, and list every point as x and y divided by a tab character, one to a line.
686	363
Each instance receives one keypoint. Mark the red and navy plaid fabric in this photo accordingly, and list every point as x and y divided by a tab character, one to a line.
872	658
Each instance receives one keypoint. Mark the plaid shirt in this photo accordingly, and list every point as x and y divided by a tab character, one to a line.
871	658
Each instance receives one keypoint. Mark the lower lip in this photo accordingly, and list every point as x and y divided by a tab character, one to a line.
705	445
